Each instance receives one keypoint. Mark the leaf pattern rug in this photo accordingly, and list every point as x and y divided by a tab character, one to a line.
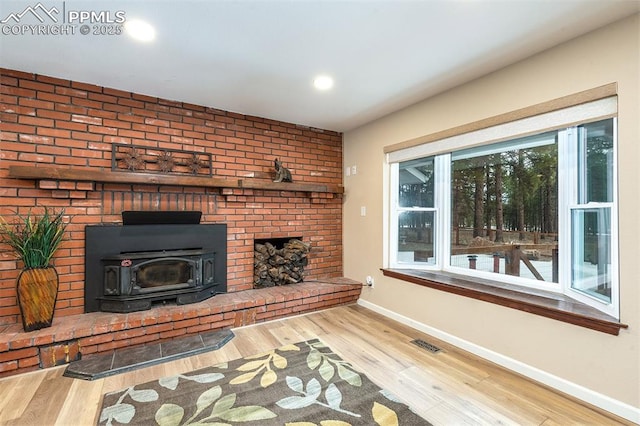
303	384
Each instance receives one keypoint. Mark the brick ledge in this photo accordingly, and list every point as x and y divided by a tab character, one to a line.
98	332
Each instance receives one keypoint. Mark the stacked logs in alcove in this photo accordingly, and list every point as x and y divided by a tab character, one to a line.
273	266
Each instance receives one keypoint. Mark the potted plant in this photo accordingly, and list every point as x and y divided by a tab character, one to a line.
34	240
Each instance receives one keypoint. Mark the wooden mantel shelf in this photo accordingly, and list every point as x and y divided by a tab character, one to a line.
108	176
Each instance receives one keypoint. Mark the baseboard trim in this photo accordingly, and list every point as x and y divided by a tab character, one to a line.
589	396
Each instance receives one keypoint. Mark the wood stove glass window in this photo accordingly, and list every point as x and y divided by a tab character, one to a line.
163	272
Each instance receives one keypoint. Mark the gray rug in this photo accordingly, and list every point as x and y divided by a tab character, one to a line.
301	384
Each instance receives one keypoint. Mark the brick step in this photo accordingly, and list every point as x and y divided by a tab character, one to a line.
99	332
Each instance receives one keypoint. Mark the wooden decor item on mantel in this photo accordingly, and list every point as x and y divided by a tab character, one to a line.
273	267
282	173
137	158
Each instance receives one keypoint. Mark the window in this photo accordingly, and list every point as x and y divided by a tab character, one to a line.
416	212
592	221
504	208
536	210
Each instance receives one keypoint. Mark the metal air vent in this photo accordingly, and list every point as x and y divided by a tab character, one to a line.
426	345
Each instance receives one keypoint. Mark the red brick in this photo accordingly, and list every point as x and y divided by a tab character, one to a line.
70	108
112	345
52	80
71	92
58	354
68	125
86	87
18	354
8	366
144	339
36	103
186	323
54	98
86	119
87	350
21	92
173	333
96	340
159	328
199	328
14	109
17	128
40	87
21	342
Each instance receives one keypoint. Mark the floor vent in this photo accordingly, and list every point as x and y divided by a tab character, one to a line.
426	345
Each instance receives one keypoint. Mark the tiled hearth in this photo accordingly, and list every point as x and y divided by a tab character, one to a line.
97	366
101	332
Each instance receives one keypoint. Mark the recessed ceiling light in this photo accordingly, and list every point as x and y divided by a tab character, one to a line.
140	30
323	82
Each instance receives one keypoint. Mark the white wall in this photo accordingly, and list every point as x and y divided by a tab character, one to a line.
607	365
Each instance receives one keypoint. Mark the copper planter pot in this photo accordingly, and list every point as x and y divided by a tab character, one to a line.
37	294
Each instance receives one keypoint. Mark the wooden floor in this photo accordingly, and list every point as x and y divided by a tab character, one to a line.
450	387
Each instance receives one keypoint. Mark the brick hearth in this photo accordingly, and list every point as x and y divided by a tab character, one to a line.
102	332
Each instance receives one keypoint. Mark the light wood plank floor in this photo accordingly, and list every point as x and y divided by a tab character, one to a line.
451	387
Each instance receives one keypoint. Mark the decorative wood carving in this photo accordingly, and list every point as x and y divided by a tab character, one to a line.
137	158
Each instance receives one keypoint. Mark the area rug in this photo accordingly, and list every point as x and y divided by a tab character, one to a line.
303	384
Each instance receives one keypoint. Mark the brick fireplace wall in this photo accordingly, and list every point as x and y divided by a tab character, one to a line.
59	123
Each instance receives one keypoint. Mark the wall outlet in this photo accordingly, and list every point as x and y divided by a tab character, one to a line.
369	281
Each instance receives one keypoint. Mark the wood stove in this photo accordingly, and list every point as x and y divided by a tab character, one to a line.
129	267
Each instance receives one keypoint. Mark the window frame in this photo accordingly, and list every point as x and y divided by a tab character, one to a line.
574	204
501	278
441	197
556	119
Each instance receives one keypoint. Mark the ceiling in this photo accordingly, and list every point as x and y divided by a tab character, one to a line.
260	57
